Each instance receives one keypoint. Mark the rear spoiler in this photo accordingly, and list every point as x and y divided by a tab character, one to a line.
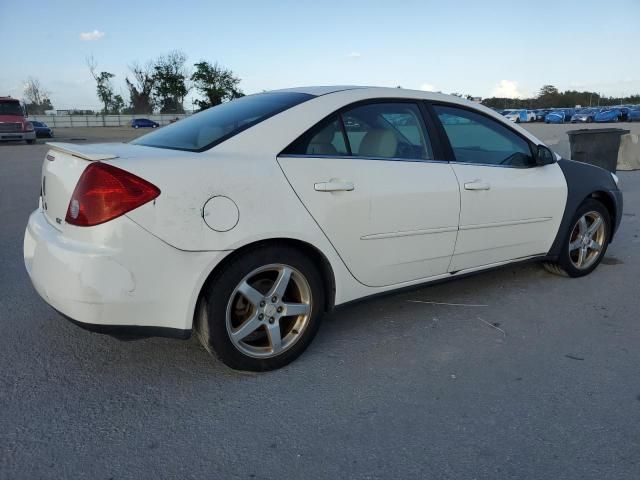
92	153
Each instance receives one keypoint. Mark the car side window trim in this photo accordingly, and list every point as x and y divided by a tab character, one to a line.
365	158
448	149
427	123
343	129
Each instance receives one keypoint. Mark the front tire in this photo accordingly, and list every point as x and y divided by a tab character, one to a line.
31	141
586	242
263	309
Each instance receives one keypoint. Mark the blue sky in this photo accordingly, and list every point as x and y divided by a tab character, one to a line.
482	48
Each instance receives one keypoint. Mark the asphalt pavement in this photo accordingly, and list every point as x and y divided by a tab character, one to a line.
529	376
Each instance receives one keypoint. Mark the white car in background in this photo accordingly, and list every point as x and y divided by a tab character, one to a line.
245	222
520	115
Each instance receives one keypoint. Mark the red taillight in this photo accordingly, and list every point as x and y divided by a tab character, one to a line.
105	192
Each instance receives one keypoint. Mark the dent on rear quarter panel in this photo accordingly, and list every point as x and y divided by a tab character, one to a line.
582	180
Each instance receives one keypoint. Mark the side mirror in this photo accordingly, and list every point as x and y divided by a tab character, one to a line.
544	156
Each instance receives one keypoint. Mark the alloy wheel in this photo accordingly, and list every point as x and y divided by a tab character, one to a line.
269	310
587	240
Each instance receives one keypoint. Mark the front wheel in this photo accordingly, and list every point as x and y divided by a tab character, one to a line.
263	309
586	243
31	141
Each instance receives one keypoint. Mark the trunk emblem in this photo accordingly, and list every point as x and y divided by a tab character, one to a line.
51	158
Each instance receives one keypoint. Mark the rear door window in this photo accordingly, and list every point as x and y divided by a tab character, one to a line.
375	130
325	139
387	130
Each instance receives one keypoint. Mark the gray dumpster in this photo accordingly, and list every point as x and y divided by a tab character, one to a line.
596	146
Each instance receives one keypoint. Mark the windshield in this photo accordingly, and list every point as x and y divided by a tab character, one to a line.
217	124
11	108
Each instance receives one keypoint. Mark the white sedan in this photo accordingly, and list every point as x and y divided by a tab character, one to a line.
244	223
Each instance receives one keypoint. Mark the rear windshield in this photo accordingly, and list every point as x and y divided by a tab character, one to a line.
217	124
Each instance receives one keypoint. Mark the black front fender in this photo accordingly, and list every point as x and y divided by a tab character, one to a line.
584	181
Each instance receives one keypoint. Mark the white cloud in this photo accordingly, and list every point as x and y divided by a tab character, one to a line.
354	55
89	36
507	89
427	87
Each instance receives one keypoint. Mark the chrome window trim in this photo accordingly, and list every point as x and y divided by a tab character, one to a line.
356	157
495	165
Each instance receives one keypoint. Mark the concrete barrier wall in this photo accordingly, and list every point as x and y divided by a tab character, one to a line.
629	153
62	121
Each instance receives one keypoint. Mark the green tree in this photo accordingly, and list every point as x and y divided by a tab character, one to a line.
36	97
215	83
170	86
104	88
117	104
141	88
548	96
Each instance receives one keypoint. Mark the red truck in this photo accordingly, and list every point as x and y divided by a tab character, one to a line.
13	121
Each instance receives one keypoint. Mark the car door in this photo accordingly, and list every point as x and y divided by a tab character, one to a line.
369	177
510	208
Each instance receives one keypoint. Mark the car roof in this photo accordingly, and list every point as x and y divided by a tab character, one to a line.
373	92
319	90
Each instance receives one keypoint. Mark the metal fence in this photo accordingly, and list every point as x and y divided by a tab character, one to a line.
61	121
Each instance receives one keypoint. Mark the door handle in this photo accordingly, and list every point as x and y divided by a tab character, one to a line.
333	187
477	185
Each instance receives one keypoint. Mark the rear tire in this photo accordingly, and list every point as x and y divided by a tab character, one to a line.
586	242
31	141
246	305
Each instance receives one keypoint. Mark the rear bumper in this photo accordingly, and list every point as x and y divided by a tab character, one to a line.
116	278
9	136
44	133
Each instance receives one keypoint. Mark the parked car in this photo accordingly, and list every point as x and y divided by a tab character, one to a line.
516	116
555	116
245	222
608	115
586	115
42	129
634	115
624	114
144	123
540	114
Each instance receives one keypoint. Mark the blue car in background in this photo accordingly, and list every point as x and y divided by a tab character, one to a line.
608	115
541	113
554	116
568	113
144	123
42	129
624	114
634	115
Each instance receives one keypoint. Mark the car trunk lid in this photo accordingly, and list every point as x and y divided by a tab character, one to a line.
62	167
